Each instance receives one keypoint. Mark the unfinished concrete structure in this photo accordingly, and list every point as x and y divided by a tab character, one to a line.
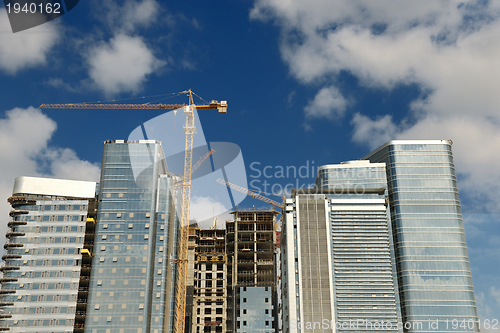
209	283
251	271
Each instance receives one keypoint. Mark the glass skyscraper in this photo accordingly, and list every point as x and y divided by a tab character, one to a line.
337	274
46	265
380	240
433	270
132	286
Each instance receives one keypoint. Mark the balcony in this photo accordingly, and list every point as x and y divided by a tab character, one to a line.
16	212
14	223
9	268
6	304
11	244
14	234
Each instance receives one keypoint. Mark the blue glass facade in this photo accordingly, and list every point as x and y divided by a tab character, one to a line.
132	282
256	310
431	254
43	268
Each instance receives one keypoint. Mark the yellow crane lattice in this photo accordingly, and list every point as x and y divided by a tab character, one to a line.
190	131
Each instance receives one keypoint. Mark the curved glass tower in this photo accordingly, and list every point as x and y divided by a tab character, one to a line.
434	277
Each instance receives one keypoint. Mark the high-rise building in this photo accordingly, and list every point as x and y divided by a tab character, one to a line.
209	306
46	267
379	240
251	271
335	253
132	286
433	270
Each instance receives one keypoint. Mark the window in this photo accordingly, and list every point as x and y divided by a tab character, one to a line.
218	311
131	215
267	323
118	215
244	311
130	225
267	311
244	323
245	300
267	300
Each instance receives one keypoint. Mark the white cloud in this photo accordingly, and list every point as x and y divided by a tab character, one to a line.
26	49
122	65
203	209
448	49
25	151
487	310
328	103
496	294
474	141
373	132
127	17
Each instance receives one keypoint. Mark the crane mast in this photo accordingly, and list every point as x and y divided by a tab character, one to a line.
190	131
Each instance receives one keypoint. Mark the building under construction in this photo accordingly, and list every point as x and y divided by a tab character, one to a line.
251	271
209	302
231	283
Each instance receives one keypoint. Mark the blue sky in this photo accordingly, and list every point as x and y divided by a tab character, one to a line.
308	83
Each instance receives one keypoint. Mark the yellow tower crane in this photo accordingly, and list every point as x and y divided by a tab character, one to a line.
253	194
190	131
